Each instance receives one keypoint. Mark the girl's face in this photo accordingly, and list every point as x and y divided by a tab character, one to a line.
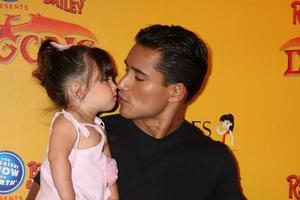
226	124
101	95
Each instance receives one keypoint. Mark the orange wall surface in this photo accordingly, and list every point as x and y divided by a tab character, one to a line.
254	75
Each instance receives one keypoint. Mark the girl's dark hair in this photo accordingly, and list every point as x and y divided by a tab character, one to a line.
183	55
56	68
228	117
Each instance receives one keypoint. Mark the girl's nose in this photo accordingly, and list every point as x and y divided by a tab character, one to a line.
113	86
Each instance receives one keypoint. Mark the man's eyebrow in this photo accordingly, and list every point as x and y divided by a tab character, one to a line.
136	69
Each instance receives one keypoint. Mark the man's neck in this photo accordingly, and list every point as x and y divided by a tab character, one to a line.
161	126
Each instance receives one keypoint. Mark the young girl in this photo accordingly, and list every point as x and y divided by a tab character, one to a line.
79	79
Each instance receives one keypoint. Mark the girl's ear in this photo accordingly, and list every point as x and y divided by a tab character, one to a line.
178	92
76	90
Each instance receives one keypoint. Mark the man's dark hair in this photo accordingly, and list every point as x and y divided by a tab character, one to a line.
183	55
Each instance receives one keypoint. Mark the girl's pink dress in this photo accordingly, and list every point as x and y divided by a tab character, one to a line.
92	171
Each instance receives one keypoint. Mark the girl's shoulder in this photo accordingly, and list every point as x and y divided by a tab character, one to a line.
63	134
63	124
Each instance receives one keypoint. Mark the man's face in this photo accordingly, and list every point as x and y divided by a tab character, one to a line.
141	93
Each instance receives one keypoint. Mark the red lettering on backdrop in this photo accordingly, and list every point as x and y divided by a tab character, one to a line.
80	6
290	68
70	40
293	185
292	43
296	11
24	47
72	6
10	56
86	42
10	40
6	29
34	168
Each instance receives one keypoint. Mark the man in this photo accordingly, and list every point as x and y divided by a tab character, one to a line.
160	155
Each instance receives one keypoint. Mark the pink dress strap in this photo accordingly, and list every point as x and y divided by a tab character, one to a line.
81	127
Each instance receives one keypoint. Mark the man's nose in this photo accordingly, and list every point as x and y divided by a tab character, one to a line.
123	83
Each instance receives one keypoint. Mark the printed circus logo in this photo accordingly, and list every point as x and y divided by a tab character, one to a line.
292	47
12	172
11	40
225	129
72	6
294	186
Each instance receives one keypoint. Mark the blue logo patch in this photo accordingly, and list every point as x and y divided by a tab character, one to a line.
12	172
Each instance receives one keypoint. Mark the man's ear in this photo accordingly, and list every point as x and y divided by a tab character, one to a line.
178	92
76	90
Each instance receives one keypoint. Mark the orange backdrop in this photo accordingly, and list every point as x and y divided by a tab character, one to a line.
254	75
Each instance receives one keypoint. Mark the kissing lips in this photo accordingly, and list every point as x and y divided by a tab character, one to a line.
122	99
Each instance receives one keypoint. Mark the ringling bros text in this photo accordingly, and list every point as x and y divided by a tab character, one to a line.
294	186
293	53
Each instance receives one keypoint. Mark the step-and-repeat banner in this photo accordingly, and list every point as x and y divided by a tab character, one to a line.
254	79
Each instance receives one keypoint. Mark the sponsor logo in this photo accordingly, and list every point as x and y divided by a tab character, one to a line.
26	36
292	46
9	0
12	172
223	131
71	6
294	186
